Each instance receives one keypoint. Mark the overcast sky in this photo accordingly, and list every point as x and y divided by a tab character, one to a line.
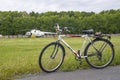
58	5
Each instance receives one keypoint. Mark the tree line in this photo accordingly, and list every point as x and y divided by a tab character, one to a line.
14	22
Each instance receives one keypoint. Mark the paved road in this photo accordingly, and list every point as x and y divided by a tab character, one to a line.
109	73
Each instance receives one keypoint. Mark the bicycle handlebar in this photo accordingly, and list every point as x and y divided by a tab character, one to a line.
59	31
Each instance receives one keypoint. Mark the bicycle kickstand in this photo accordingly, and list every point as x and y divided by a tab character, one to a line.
79	58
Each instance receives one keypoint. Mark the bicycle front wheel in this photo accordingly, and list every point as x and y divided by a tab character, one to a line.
100	53
51	57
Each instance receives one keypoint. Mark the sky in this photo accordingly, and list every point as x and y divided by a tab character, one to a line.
59	5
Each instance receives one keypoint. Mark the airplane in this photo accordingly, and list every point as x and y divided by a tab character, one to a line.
37	33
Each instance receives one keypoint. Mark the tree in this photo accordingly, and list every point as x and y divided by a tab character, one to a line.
14	22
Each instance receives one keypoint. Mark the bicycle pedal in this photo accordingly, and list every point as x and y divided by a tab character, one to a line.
80	62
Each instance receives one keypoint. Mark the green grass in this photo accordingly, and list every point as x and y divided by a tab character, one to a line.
20	56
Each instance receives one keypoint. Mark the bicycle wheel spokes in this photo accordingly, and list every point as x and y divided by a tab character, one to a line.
51	58
102	57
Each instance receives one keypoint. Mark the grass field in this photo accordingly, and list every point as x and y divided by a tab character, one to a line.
20	56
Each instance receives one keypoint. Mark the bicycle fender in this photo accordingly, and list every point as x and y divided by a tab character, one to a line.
104	40
59	44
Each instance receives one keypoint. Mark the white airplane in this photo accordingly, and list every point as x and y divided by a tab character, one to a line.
37	33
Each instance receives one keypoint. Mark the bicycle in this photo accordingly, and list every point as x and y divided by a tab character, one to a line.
98	53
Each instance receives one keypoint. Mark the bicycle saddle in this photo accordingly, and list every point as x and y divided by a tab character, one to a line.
89	31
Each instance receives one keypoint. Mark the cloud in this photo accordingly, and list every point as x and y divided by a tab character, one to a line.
58	5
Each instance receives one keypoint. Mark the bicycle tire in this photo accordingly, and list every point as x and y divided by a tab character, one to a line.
49	59
99	59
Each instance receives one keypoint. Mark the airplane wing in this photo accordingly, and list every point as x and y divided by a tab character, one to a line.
48	33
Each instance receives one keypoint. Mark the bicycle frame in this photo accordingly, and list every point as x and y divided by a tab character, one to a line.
79	55
94	51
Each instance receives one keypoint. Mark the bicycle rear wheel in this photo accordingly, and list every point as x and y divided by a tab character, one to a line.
51	57
100	53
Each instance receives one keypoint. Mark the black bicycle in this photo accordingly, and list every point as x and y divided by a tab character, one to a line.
99	52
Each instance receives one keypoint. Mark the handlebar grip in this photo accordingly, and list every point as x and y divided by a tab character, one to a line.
57	26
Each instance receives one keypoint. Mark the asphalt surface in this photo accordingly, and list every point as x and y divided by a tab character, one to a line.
109	73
